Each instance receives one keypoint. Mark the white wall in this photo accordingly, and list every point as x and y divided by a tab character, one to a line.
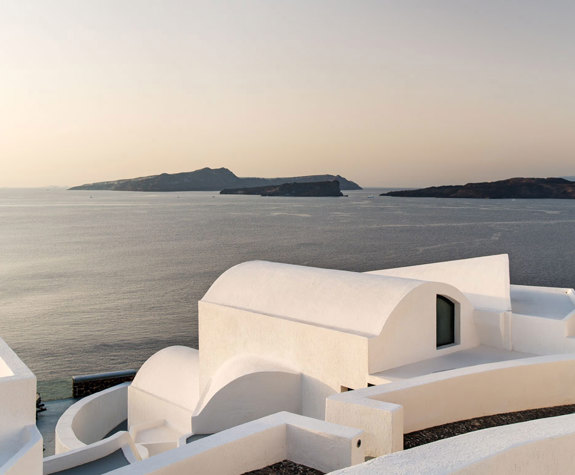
455	395
260	443
494	328
92	453
27	456
530	448
247	397
91	418
409	334
484	280
328	358
17	407
541	335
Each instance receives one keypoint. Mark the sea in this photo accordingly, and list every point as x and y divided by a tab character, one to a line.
96	281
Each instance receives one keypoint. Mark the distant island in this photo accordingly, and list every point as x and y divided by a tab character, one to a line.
556	188
316	188
207	179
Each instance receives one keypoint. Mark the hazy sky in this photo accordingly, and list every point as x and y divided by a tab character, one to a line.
393	93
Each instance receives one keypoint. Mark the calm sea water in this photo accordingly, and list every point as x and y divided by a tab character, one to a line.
99	281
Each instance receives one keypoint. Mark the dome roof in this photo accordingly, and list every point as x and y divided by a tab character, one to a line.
171	374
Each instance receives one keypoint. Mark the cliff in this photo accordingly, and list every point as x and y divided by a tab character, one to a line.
207	179
321	188
557	188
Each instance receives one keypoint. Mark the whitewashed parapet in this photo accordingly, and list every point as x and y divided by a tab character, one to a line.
91	418
256	444
534	447
450	396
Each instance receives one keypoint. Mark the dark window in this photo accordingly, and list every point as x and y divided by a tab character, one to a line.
445	321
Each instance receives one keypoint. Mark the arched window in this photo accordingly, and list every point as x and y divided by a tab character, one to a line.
445	314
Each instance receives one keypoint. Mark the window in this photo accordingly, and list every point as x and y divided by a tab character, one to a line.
445	314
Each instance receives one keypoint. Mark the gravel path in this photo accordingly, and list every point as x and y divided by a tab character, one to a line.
285	467
425	436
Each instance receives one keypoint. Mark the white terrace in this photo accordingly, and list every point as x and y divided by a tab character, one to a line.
279	339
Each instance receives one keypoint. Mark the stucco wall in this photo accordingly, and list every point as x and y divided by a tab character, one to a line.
17	404
27	458
460	394
552	336
91	418
328	359
409	334
247	398
529	448
259	443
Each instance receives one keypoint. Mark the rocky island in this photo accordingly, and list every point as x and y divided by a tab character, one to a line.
534	188
318	188
207	179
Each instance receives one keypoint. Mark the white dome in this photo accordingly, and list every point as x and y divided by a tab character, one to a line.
171	374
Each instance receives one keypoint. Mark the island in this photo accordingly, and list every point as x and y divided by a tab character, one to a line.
534	188
207	179
317	188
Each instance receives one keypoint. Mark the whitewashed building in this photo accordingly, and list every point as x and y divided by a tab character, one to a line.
281	346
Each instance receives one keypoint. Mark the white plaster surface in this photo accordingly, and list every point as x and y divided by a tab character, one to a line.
27	456
91	418
346	301
247	388
259	443
461	359
166	390
90	453
409	334
449	396
17	412
171	374
484	280
530	448
554	303
326	358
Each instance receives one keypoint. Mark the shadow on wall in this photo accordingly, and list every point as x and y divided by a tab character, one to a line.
314	394
247	398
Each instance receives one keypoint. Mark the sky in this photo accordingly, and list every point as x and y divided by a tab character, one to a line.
385	93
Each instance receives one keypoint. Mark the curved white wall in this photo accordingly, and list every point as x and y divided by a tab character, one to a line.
91	418
528	448
409	334
450	396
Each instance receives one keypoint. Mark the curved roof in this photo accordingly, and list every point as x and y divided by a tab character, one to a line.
171	374
347	301
237	367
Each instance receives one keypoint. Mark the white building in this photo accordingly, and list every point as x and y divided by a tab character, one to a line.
282	345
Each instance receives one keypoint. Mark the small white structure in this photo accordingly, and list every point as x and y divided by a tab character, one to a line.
278	339
20	440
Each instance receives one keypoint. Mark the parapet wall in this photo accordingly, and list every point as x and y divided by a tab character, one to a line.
385	412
